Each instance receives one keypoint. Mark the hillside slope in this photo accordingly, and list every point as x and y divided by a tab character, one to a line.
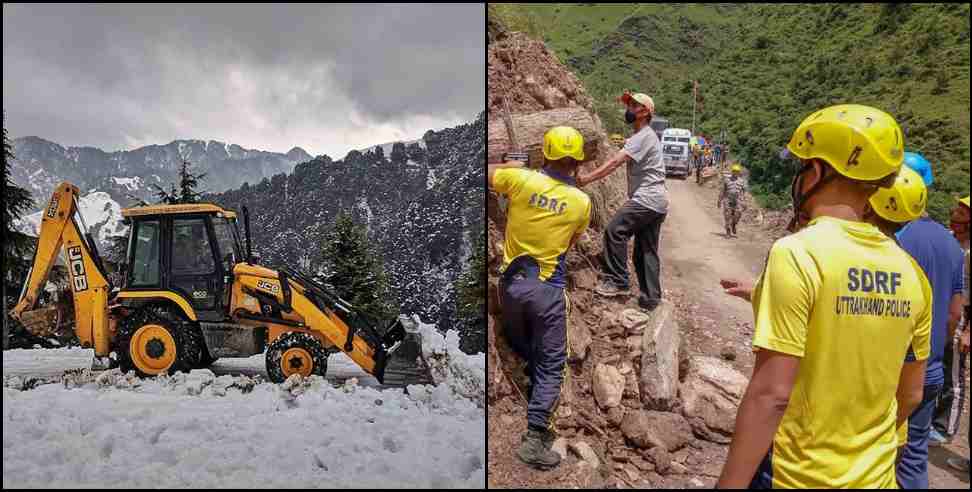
762	68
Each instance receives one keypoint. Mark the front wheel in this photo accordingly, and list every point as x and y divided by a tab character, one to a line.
295	353
150	343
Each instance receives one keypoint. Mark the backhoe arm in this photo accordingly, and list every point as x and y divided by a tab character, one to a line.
89	284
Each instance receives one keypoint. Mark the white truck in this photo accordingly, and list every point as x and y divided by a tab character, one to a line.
675	152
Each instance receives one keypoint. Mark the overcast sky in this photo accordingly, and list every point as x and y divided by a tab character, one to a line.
327	78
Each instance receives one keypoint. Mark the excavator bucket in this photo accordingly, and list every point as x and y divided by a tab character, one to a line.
402	362
41	322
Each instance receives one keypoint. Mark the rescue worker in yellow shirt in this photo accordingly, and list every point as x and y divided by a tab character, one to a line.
546	215
837	309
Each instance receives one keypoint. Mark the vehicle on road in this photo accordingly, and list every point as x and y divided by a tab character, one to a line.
675	152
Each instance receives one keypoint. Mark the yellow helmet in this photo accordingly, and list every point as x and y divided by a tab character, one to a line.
736	168
903	202
965	201
859	142
563	141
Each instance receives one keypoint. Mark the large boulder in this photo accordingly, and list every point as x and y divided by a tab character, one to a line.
659	359
710	398
648	429
608	386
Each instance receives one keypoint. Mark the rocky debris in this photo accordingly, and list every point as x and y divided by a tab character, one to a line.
580	341
660	359
585	476
634	321
585	452
661	458
615	416
608	386
560	447
649	429
710	397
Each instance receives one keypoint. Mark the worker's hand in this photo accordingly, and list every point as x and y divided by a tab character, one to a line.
742	289
964	341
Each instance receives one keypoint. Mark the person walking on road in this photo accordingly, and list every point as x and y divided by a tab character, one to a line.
546	215
642	215
733	189
960	226
948	413
830	386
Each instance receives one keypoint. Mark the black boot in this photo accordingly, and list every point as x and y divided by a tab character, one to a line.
535	450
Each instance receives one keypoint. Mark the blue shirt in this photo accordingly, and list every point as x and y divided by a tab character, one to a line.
942	259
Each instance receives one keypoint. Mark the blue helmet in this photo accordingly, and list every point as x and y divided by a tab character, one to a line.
920	165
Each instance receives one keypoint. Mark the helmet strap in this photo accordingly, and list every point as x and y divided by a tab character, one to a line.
800	198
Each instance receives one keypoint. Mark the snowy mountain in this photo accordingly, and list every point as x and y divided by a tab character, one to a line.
41	165
423	204
99	212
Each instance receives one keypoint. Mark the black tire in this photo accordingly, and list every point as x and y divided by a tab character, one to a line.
295	340
186	346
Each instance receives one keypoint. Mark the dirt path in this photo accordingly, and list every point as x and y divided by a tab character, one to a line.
696	254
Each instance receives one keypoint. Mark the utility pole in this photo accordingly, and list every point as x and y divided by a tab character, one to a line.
695	100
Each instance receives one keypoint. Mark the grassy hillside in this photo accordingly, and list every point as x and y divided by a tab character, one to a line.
762	68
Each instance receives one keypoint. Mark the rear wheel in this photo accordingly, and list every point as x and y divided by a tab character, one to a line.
295	353
150	343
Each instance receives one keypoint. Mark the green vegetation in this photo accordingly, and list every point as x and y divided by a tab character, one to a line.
471	300
763	67
356	272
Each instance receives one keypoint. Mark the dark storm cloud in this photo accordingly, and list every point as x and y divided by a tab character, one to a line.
326	77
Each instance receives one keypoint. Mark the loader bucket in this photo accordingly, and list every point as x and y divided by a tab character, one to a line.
401	363
41	322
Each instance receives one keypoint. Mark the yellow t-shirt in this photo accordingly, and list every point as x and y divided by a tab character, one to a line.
544	213
849	302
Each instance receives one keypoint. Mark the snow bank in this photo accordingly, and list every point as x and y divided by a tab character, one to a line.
110	430
464	375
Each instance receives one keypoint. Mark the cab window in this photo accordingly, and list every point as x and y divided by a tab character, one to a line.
191	252
145	254
226	241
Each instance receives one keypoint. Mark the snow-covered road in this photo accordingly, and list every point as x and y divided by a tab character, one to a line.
201	430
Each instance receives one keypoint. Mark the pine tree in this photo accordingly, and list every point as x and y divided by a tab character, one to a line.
471	300
186	193
188	183
16	246
356	272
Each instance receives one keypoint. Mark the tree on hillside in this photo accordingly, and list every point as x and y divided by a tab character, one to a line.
186	192
16	246
471	300
356	272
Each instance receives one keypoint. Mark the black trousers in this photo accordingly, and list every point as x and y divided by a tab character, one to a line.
948	413
644	224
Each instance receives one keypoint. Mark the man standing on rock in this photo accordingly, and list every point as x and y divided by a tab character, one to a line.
732	192
644	212
546	215
830	386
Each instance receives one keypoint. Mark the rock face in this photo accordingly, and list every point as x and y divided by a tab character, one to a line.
659	359
710	398
648	429
608	386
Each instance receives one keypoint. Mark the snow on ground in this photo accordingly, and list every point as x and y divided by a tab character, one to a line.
226	428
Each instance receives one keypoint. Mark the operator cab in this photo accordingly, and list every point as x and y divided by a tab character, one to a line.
189	250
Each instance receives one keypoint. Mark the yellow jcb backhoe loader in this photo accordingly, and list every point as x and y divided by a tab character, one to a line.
190	296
